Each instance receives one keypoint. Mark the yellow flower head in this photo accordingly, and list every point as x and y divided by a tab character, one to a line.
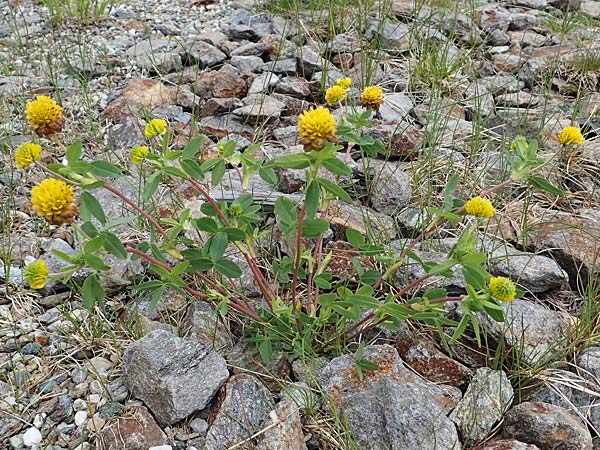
27	154
36	274
502	288
335	95
344	83
45	116
139	153
570	136
371	97
155	127
480	207
316	126
54	200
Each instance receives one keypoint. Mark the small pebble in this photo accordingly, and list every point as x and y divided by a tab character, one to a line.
199	426
16	441
161	447
32	437
80	405
95	398
79	374
80	417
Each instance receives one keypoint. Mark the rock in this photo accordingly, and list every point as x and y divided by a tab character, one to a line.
532	328
137	431
204	54
308	371
223	83
143	95
216	106
536	273
260	49
225	125
173	377
260	110
393	36
424	357
156	55
395	108
199	426
287	433
32	437
342	216
590	8
510	444
493	18
124	135
310	62
572	240
301	395
245	358
390	186
294	86
263	83
517	100
245	407
486	400
247	63
100	366
288	66
80	418
391	408
547	426
206	328
400	139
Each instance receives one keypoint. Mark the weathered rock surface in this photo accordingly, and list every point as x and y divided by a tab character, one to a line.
547	426
391	408
137	431
486	400
286	432
173	377
244	410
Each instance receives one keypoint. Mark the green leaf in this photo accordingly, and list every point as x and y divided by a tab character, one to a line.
193	147
295	161
218	172
449	191
74	152
92	292
192	168
323	280
90	206
155	298
266	350
334	189
370	277
93	245
365	364
365	301
314	227
269	175
80	167
439	269
355	238
201	264
175	172
435	293
495	311
218	245
288	217
337	167
475	275
114	246
147	285
544	185
95	262
461	328
151	185
206	224
234	234
228	268
106	169
89	229
312	197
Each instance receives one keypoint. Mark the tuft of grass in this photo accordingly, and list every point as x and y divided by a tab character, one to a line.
84	11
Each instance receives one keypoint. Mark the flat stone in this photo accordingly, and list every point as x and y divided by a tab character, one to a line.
247	63
510	444
547	426
225	125
517	100
242	413
294	86
263	83
173	377
137	431
252	49
223	83
217	106
395	108
309	62
486	400
343	215
204	54
156	54
391	408
265	109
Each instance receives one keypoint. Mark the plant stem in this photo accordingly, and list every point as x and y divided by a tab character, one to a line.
298	254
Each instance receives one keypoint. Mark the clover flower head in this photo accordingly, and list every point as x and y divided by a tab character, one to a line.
316	127
570	136
44	115
27	154
54	200
139	153
335	95
502	288
371	97
344	83
155	127
480	207
36	274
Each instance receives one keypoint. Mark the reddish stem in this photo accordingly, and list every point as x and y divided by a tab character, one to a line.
298	254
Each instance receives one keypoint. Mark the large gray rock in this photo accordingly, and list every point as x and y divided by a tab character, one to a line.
487	398
172	376
391	408
390	186
243	412
547	426
285	432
